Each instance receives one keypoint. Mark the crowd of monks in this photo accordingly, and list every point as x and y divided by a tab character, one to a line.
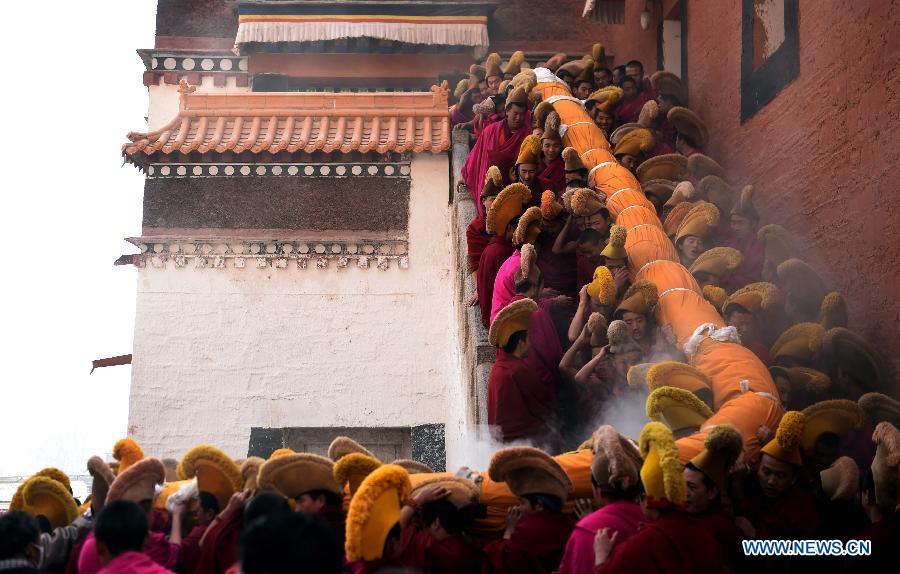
575	333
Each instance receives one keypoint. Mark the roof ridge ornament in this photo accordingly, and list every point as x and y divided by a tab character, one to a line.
184	89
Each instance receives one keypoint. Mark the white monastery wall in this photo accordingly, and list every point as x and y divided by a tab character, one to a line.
217	351
164	99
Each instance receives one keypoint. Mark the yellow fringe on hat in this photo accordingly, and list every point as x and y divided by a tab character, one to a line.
57	475
187	468
888	435
572	159
659	373
586	202
127	451
637	375
355	463
38	486
527	258
539	114
531	218
280	452
514	64
550	208
833	311
598	54
657	435
850	410
768	293
388	477
602	287
648	114
790	430
685	398
812	333
647	290
716	296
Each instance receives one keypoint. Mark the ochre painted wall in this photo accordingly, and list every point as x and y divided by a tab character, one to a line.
823	156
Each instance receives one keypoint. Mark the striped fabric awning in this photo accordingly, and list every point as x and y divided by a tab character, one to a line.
436	24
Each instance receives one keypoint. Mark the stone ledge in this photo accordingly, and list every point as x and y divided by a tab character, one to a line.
219	253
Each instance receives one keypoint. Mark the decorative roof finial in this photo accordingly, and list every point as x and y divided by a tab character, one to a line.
184	89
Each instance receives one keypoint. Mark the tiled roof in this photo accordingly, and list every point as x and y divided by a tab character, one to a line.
305	122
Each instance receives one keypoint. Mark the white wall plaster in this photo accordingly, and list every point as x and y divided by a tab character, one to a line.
217	351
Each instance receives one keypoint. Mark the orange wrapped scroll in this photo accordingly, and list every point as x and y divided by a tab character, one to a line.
743	391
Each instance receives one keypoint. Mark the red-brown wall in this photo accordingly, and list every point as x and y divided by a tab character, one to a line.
823	156
557	26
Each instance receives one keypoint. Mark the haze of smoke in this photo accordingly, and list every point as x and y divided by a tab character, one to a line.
479	447
626	413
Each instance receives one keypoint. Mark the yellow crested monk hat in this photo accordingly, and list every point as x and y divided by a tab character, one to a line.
250	471
635	143
700	166
801	343
840	481
550	207
689	124
101	478
351	470
786	444
599	329
682	410
138	482
493	183
586	202
602	289
374	511
699	221
838	417
508	205
778	243
295	474
715	295
530	150
880	408
886	466
661	189
215	471
572	160
605	99
671	166
718	262
662	473
679	375
18	501
721	449
615	247
341	446
492	66
127	452
754	298
617	461
803	379
529	227
511	319
463	492
640	298
45	496
833	312
528	470
675	217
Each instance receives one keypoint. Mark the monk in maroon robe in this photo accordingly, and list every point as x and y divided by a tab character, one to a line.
432	556
520	405
544	348
552	176
498	145
498	250
476	240
220	544
535	546
673	542
633	101
557	270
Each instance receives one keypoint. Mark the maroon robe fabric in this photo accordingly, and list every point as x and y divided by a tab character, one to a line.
220	549
726	533
761	352
665	132
585	267
189	553
552	176
544	349
335	517
492	149
519	405
750	269
449	556
133	563
495	253
792	516
885	550
476	240
671	543
536	546
559	271
460	115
